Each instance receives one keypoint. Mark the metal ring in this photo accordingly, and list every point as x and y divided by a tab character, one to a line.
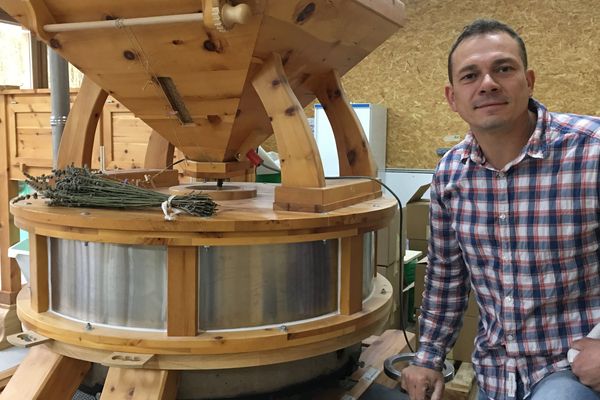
392	372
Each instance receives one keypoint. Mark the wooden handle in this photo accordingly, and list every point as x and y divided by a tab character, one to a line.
232	15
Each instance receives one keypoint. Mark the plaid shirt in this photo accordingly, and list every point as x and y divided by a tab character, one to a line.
526	239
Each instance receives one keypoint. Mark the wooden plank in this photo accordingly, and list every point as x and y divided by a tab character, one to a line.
354	153
140	384
10	274
38	265
351	278
300	161
182	291
78	136
45	375
391	342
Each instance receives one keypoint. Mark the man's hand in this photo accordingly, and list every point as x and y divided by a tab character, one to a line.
422	383
586	365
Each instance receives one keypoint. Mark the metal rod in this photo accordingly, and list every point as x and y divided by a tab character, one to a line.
59	99
121	23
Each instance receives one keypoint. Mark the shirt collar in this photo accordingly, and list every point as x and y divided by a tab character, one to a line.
535	146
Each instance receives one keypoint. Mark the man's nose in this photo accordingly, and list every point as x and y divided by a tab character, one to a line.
488	84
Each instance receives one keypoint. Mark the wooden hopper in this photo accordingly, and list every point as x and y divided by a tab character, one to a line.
260	286
216	80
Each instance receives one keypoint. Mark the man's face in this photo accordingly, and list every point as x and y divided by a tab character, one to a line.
491	88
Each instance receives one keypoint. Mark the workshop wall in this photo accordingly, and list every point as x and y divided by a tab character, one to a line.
408	72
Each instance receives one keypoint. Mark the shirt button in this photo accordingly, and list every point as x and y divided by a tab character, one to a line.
510	336
508	300
502	217
500	174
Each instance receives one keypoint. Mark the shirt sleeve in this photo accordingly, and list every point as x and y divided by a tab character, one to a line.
446	287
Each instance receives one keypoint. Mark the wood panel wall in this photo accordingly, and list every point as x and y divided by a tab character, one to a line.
408	72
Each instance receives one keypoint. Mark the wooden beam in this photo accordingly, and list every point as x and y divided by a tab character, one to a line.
39	63
159	153
353	149
45	375
38	270
351	277
123	383
300	161
77	140
182	291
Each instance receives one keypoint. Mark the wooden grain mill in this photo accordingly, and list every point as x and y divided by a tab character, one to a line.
282	280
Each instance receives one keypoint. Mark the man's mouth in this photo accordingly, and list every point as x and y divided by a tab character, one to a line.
489	104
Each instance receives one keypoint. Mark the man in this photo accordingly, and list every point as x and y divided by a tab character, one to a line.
514	216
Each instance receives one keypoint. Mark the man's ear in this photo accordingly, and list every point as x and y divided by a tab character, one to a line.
449	91
530	76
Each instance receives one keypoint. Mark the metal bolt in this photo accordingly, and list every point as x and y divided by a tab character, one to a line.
88	327
283	328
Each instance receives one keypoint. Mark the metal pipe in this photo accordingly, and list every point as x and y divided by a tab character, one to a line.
121	23
59	99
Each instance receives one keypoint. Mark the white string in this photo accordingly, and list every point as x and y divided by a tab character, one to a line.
169	211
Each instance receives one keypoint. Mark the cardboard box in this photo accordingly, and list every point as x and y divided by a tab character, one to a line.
417	215
465	343
389	241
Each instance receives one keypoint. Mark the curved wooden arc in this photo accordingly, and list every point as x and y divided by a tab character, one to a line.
38	16
159	153
300	160
354	153
78	137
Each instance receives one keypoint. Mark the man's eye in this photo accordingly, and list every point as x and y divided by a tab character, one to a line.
467	77
505	68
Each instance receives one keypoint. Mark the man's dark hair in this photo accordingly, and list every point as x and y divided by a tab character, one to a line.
482	27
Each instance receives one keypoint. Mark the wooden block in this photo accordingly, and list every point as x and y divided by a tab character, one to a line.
139	384
461	386
40	296
215	169
45	375
127	360
337	194
27	339
9	324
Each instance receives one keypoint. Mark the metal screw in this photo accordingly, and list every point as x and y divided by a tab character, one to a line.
88	327
383	291
283	328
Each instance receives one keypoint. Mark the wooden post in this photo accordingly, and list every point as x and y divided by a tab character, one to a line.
159	153
77	140
45	375
38	271
10	273
124	383
351	276
300	160
353	150
182	291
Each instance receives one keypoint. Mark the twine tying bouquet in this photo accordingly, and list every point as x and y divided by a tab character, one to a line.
80	187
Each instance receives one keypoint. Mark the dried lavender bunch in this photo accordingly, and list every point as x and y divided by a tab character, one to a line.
80	187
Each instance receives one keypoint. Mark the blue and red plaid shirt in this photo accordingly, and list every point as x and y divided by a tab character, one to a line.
526	239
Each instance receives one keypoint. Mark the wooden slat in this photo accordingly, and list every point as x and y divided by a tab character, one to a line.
45	375
78	136
38	265
5	376
300	161
139	384
182	291
351	278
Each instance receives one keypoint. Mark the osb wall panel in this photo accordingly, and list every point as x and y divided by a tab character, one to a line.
408	72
